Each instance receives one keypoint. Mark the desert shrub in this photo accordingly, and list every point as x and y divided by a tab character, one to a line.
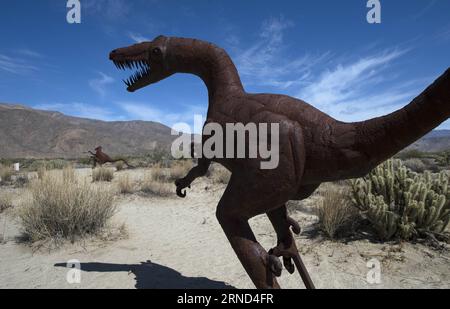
158	188
334	211
41	172
5	174
85	161
158	156
401	203
63	208
443	158
5	201
68	174
410	154
102	174
416	165
125	185
120	165
180	169
57	164
159	174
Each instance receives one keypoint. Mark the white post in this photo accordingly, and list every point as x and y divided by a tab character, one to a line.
16	167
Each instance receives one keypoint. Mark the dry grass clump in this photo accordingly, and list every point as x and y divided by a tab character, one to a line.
5	201
102	174
335	211
60	207
120	165
176	171
180	169
154	187
161	180
5	174
125	185
415	165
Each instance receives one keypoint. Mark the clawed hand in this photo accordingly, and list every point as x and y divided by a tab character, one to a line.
182	184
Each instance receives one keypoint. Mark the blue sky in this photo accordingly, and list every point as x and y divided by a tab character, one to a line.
321	51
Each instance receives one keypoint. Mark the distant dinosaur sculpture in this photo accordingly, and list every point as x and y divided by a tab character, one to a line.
314	148
100	158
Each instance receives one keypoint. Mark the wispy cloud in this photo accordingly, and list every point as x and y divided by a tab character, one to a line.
138	38
29	53
16	65
145	111
111	9
83	110
264	62
341	83
361	89
99	84
428	6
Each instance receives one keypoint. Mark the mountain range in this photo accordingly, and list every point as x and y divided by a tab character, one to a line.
31	133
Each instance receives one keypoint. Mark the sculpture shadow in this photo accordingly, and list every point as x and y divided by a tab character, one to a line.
154	276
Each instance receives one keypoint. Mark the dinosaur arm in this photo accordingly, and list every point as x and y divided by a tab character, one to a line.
199	171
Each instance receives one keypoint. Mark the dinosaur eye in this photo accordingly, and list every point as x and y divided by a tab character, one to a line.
156	51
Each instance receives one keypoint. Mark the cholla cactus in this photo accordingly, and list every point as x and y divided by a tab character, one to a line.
401	203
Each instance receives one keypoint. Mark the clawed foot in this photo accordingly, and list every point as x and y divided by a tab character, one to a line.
274	265
181	185
288	251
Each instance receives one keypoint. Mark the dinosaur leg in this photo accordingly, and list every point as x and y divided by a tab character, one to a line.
258	264
286	247
239	203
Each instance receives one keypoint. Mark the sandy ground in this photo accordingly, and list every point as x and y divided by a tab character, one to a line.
176	243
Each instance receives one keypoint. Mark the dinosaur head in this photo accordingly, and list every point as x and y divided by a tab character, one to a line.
148	59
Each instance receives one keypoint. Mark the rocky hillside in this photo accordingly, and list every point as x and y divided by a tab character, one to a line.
30	133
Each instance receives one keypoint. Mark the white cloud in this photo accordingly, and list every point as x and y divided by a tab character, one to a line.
99	84
345	81
111	9
83	110
144	111
29	53
264	62
138	38
16	65
361	89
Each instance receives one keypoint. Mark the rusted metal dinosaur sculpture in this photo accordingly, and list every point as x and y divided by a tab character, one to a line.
314	147
100	158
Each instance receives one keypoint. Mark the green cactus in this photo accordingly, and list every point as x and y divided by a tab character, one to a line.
401	203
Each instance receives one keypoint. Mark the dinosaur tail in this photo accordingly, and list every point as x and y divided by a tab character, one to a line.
124	161
380	138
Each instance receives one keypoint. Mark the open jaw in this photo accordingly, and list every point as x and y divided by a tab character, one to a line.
140	78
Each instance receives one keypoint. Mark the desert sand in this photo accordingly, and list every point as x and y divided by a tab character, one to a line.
178	243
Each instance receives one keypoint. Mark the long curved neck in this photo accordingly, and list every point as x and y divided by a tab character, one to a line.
209	62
